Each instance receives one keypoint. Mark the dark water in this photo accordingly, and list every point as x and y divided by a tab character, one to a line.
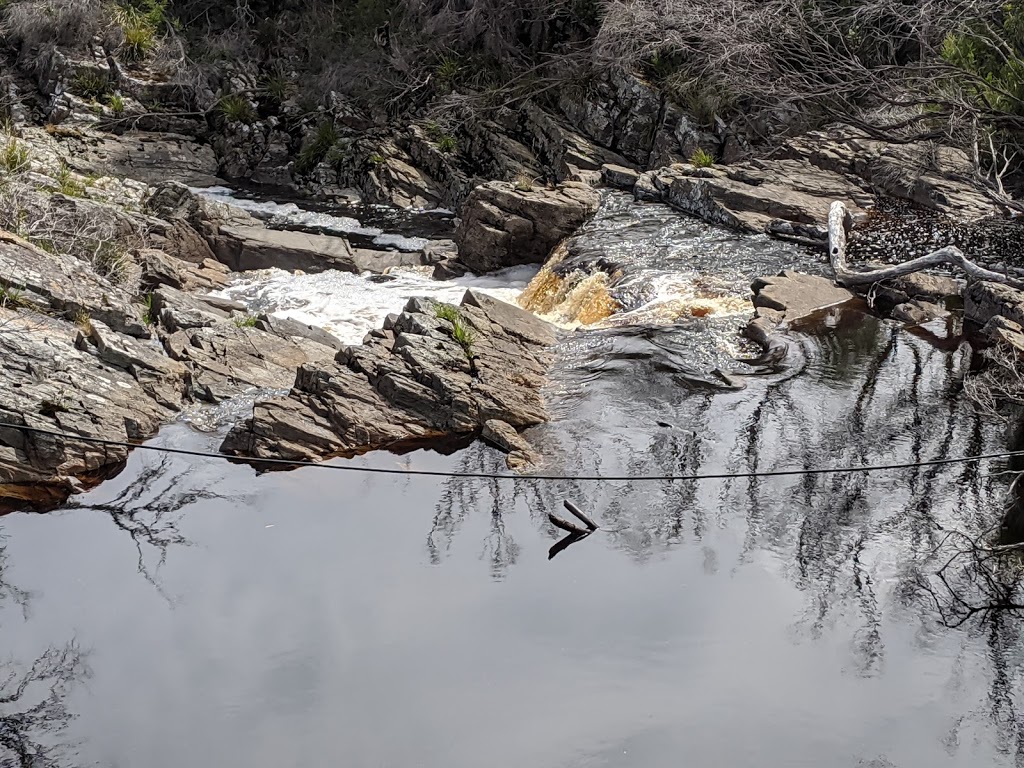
326	618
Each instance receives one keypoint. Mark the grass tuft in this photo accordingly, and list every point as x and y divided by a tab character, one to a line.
702	159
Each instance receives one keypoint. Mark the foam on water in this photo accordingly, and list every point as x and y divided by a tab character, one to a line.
290	213
350	305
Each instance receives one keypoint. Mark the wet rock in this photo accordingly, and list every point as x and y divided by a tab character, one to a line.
409	382
984	301
504	437
248	248
917	312
503	225
794	294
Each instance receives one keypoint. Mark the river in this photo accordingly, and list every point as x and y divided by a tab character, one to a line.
198	613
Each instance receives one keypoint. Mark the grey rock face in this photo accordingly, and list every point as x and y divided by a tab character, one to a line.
984	300
408	383
503	225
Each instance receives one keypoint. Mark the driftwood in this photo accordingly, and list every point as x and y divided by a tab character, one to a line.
948	255
575	532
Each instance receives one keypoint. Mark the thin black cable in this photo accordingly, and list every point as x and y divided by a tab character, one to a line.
505	476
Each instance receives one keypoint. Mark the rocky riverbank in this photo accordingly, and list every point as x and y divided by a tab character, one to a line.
108	260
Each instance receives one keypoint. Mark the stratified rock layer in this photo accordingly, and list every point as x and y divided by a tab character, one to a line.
407	382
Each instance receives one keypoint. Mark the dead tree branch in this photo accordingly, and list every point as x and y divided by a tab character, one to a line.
944	256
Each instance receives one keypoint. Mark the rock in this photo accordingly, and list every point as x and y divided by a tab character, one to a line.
620	111
794	294
754	196
67	286
984	301
163	379
788	195
148	157
917	312
287	328
619	177
227	360
407	383
46	382
918	172
248	248
1001	330
503	226
158	268
504	437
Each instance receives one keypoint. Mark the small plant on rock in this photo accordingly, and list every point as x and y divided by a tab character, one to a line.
91	84
149	313
523	182
447	144
116	103
702	159
67	184
249	321
236	108
461	332
448	70
14	157
11	297
316	149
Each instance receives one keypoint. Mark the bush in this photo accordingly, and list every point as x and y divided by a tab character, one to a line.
15	156
116	103
91	84
236	108
66	23
447	144
316	149
67	184
701	158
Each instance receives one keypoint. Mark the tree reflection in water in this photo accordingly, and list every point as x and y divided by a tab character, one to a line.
149	510
33	714
859	546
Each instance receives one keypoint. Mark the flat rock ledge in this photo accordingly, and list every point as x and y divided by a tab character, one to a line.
408	383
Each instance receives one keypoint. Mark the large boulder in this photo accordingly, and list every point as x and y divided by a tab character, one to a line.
408	382
504	225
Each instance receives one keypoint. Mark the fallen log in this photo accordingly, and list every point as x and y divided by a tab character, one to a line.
949	255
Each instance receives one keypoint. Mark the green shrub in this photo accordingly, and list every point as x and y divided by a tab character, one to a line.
67	184
15	156
278	88
317	147
236	108
116	103
249	321
447	144
701	158
91	84
448	70
448	312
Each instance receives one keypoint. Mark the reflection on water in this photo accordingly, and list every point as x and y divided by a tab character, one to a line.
322	617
